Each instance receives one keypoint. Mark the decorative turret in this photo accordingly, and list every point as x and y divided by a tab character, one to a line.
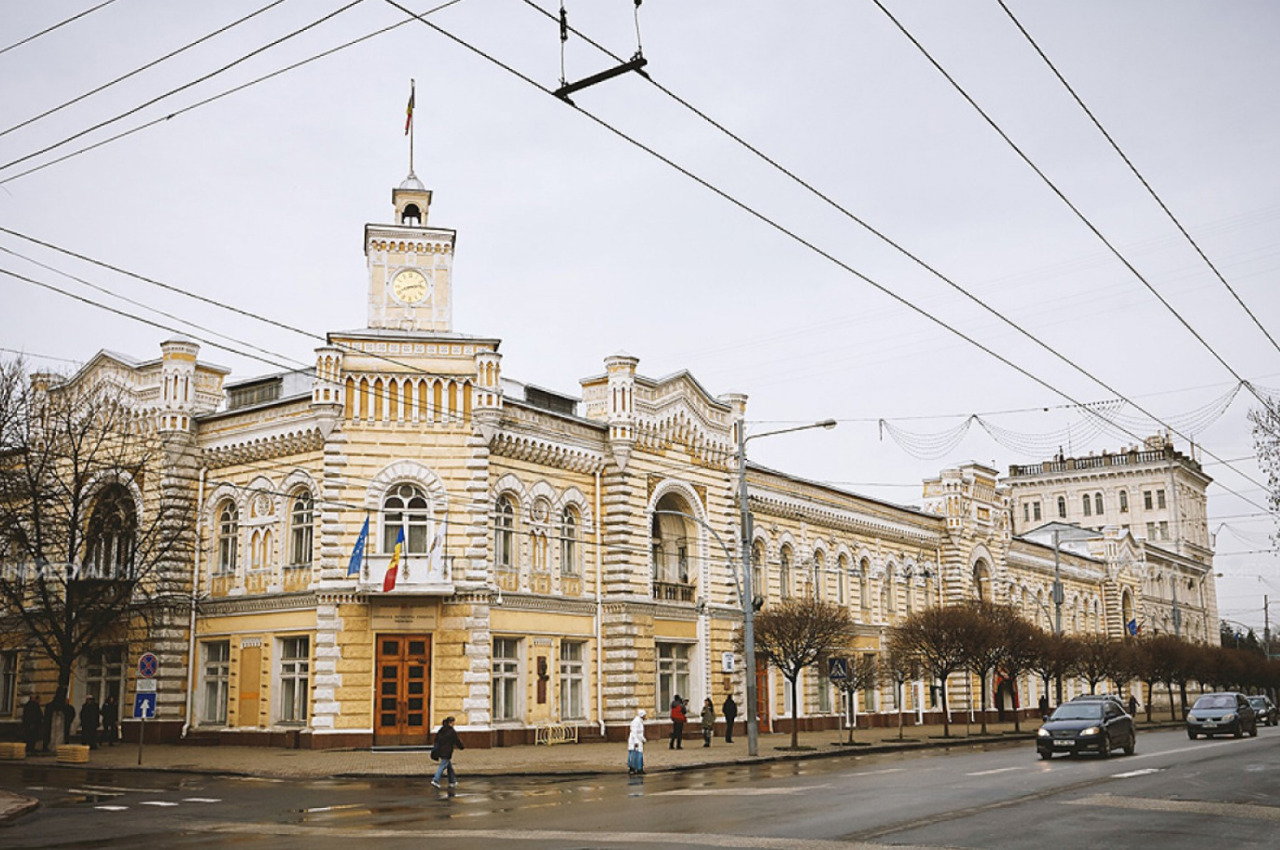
410	266
621	372
177	384
326	386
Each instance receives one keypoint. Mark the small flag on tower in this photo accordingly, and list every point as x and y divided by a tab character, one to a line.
357	554
408	112
393	569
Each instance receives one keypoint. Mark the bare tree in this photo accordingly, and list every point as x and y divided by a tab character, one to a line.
898	668
94	529
1054	658
980	645
1094	658
935	636
1019	648
795	634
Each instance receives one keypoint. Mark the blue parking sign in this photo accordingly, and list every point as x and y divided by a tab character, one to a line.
144	706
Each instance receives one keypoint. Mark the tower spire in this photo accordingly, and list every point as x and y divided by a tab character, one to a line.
408	125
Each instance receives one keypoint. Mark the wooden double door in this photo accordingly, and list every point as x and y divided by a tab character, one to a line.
403	698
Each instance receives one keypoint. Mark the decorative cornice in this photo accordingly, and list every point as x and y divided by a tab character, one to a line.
545	604
258	604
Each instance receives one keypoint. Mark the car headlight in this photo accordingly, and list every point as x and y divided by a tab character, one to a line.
1092	730
1193	718
1043	733
1227	718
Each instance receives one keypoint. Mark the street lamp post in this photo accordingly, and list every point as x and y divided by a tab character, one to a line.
748	592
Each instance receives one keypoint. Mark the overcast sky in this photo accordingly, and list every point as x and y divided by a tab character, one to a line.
574	243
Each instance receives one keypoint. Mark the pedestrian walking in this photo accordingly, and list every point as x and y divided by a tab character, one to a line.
730	711
678	719
708	721
446	741
111	720
1044	706
32	722
89	717
635	744
1133	705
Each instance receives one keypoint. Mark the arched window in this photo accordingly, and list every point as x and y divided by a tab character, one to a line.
819	576
112	536
569	542
864	586
301	528
982	582
842	570
539	547
1097	503
889	591
784	572
1124	501
504	533
405	508
228	536
1087	505
1062	507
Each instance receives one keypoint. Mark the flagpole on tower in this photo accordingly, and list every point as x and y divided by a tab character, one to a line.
408	123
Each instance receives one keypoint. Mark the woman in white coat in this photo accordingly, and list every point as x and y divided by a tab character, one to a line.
635	744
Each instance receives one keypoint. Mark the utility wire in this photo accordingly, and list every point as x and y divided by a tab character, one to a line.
61	23
182	87
206	101
136	71
875	232
1061	195
1141	179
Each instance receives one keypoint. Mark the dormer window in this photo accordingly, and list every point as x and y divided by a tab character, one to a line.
411	215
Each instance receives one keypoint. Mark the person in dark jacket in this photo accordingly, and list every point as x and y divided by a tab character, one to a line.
678	719
446	741
89	717
32	722
110	720
730	712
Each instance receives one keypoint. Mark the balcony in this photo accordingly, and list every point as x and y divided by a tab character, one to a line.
672	591
419	575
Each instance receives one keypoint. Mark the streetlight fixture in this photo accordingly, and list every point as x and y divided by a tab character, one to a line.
748	595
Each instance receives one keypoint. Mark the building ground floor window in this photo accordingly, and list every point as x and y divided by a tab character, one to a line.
673	674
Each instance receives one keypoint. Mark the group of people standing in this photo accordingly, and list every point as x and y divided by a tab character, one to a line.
679	717
99	724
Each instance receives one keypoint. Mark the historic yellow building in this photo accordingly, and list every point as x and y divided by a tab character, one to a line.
562	559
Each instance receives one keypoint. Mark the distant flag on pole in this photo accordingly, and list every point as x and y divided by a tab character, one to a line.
393	569
1133	627
357	554
408	112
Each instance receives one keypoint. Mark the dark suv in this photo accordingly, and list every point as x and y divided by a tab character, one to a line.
1220	714
1268	714
1079	726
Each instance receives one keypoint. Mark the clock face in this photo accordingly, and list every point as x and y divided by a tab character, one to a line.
411	286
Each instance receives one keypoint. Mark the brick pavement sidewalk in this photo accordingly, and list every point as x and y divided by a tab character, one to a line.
584	758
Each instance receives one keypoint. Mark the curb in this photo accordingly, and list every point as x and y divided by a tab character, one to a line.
14	806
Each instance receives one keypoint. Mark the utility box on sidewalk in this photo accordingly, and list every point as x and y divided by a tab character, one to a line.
73	754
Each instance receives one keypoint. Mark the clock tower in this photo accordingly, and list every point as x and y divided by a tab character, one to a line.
410	266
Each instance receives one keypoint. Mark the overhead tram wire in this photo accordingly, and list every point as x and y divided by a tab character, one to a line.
246	57
1141	179
741	205
155	310
139	70
61	23
1061	195
208	100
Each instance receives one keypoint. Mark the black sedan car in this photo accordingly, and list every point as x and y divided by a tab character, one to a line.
1222	714
1265	709
1077	727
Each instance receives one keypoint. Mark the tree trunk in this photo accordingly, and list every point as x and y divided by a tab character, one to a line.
795	717
946	711
899	684
1017	704
982	700
853	718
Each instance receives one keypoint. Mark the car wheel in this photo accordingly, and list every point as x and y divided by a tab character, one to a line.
1253	730
1239	733
1045	756
1192	735
1132	745
1104	749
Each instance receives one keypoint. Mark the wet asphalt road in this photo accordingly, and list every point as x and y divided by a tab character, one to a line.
1174	794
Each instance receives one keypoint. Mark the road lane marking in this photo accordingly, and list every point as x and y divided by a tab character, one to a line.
1191	807
201	800
164	803
877	772
735	792
564	837
112	808
1143	772
997	770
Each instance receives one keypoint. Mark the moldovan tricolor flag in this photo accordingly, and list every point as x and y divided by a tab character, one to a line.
357	554
408	112
393	569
